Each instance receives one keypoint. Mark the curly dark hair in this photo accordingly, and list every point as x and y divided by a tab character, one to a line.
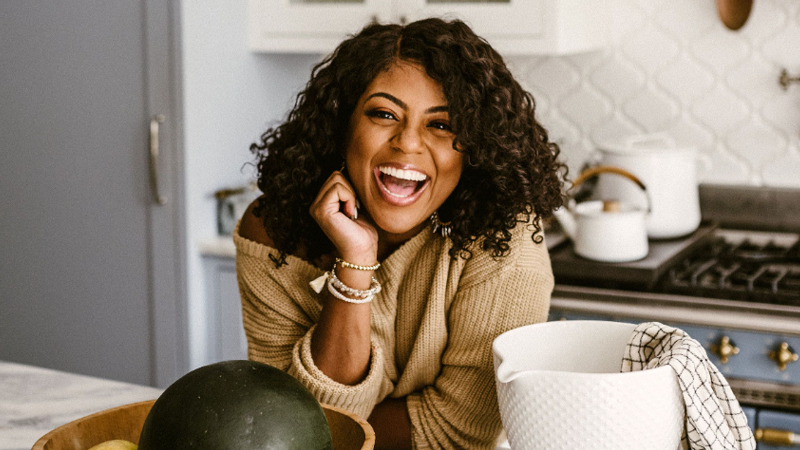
511	170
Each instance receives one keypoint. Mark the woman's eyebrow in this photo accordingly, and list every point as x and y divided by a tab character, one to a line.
402	104
436	109
390	97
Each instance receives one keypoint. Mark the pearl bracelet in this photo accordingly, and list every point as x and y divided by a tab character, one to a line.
374	286
345	298
356	266
339	289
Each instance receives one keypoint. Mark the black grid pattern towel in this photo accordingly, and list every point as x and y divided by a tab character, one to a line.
714	419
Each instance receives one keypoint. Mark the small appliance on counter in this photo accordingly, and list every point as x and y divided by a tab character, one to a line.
231	205
733	284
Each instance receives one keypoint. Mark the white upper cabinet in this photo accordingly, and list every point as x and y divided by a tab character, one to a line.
513	27
309	26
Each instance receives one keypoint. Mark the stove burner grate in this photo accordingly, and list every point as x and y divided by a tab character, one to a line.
767	272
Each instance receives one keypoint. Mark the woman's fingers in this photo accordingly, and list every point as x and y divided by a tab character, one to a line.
334	200
336	175
336	195
335	210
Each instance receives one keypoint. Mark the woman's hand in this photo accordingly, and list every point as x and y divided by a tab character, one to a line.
340	346
335	211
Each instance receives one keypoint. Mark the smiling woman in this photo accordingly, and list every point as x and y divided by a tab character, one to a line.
399	232
399	153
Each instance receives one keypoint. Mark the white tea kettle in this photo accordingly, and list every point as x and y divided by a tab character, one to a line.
670	173
606	230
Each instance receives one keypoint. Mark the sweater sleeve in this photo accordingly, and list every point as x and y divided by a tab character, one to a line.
279	312
460	409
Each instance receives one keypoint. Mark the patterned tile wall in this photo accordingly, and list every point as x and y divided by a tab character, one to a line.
673	67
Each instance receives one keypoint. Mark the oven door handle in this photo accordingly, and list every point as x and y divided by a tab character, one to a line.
772	436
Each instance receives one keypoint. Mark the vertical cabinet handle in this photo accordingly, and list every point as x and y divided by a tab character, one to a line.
777	437
155	121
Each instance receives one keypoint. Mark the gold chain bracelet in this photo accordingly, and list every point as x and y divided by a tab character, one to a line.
344	263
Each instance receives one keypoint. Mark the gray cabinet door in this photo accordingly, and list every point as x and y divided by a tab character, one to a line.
224	315
90	267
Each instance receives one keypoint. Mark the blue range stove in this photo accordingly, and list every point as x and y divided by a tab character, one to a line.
734	285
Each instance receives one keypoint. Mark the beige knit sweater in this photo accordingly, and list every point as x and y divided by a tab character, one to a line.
433	324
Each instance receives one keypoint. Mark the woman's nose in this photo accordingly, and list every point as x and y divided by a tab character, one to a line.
408	140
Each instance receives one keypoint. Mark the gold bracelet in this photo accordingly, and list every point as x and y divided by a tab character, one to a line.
344	263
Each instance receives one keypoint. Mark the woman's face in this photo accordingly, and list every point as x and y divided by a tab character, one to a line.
400	156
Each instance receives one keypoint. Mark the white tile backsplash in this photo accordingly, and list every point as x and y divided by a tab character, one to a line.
672	66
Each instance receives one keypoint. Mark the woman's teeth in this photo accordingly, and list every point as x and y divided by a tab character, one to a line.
401	183
411	175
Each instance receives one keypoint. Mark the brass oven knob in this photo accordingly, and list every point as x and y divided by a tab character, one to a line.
783	355
725	349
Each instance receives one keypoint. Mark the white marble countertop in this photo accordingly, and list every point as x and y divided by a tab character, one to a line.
34	401
220	246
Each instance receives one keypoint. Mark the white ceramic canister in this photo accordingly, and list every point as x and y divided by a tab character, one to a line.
559	387
670	174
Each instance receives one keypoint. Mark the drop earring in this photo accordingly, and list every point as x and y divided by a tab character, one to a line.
437	226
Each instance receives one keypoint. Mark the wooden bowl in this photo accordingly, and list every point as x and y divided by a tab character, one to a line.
349	431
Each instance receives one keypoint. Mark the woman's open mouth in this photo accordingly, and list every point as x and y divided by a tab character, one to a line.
400	186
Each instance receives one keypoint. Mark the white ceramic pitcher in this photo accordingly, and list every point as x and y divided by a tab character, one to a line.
559	387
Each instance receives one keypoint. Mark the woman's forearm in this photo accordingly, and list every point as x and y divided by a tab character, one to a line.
340	345
392	424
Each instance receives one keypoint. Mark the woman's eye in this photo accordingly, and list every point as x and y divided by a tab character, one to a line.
380	114
444	126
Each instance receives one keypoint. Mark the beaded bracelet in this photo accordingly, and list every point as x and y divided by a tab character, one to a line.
337	288
374	286
356	266
345	298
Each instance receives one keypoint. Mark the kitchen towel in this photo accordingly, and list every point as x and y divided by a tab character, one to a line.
714	419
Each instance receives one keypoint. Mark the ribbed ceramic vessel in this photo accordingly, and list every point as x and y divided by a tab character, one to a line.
559	387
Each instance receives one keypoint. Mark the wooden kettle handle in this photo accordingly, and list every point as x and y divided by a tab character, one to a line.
597	170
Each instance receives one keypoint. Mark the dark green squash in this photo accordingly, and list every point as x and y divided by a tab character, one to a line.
241	405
